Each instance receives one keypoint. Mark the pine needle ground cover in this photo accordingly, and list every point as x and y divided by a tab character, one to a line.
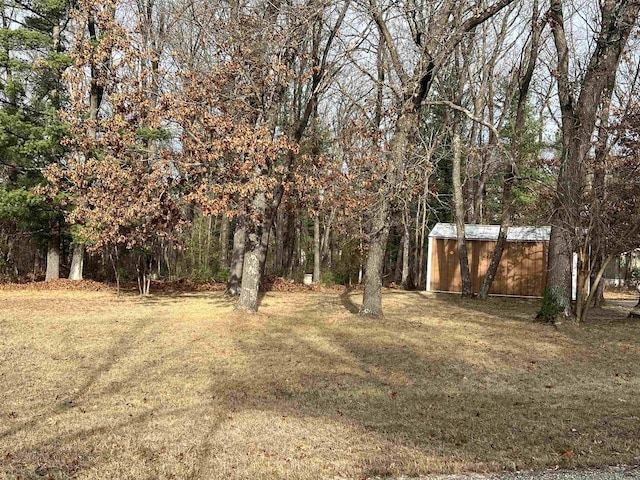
181	386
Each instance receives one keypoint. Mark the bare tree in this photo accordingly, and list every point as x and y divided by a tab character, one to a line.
523	78
436	30
579	112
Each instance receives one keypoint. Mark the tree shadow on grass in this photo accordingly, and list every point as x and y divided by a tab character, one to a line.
178	297
412	403
119	349
215	298
82	444
427	407
347	302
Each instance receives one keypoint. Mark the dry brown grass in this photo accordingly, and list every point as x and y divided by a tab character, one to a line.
182	386
622	294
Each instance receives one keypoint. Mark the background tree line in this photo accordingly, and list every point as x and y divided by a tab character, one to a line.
237	140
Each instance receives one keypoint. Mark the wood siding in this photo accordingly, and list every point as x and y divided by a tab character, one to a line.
521	272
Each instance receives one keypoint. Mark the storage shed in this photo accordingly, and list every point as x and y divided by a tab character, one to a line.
522	270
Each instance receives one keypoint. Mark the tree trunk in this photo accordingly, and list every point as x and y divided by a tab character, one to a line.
143	275
372	298
458	201
96	91
582	314
496	256
316	248
278	258
299	256
479	193
583	279
578	123
627	268
289	243
379	234
211	226
237	259
397	275
53	253
389	265
115	264
224	242
420	268
524	83
249	293
416	244
257	243
254	255
416	87
598	298
598	196
407	281
559	269
77	262
325	251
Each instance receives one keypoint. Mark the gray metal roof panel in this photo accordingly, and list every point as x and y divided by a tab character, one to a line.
490	232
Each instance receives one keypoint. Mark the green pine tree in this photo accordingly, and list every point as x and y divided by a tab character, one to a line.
32	94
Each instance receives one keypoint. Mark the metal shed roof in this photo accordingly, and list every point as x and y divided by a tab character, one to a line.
490	232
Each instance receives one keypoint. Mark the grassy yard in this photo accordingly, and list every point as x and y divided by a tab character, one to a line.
95	387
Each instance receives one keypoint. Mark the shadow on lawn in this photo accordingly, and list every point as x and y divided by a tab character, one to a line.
347	302
178	297
392	382
52	458
214	298
395	382
119	349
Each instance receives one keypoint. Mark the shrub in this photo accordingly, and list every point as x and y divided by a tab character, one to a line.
222	275
328	278
202	274
123	273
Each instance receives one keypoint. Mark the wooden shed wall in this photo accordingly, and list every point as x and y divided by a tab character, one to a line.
521	272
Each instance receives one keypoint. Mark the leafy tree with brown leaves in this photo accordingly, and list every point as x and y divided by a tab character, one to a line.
120	187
